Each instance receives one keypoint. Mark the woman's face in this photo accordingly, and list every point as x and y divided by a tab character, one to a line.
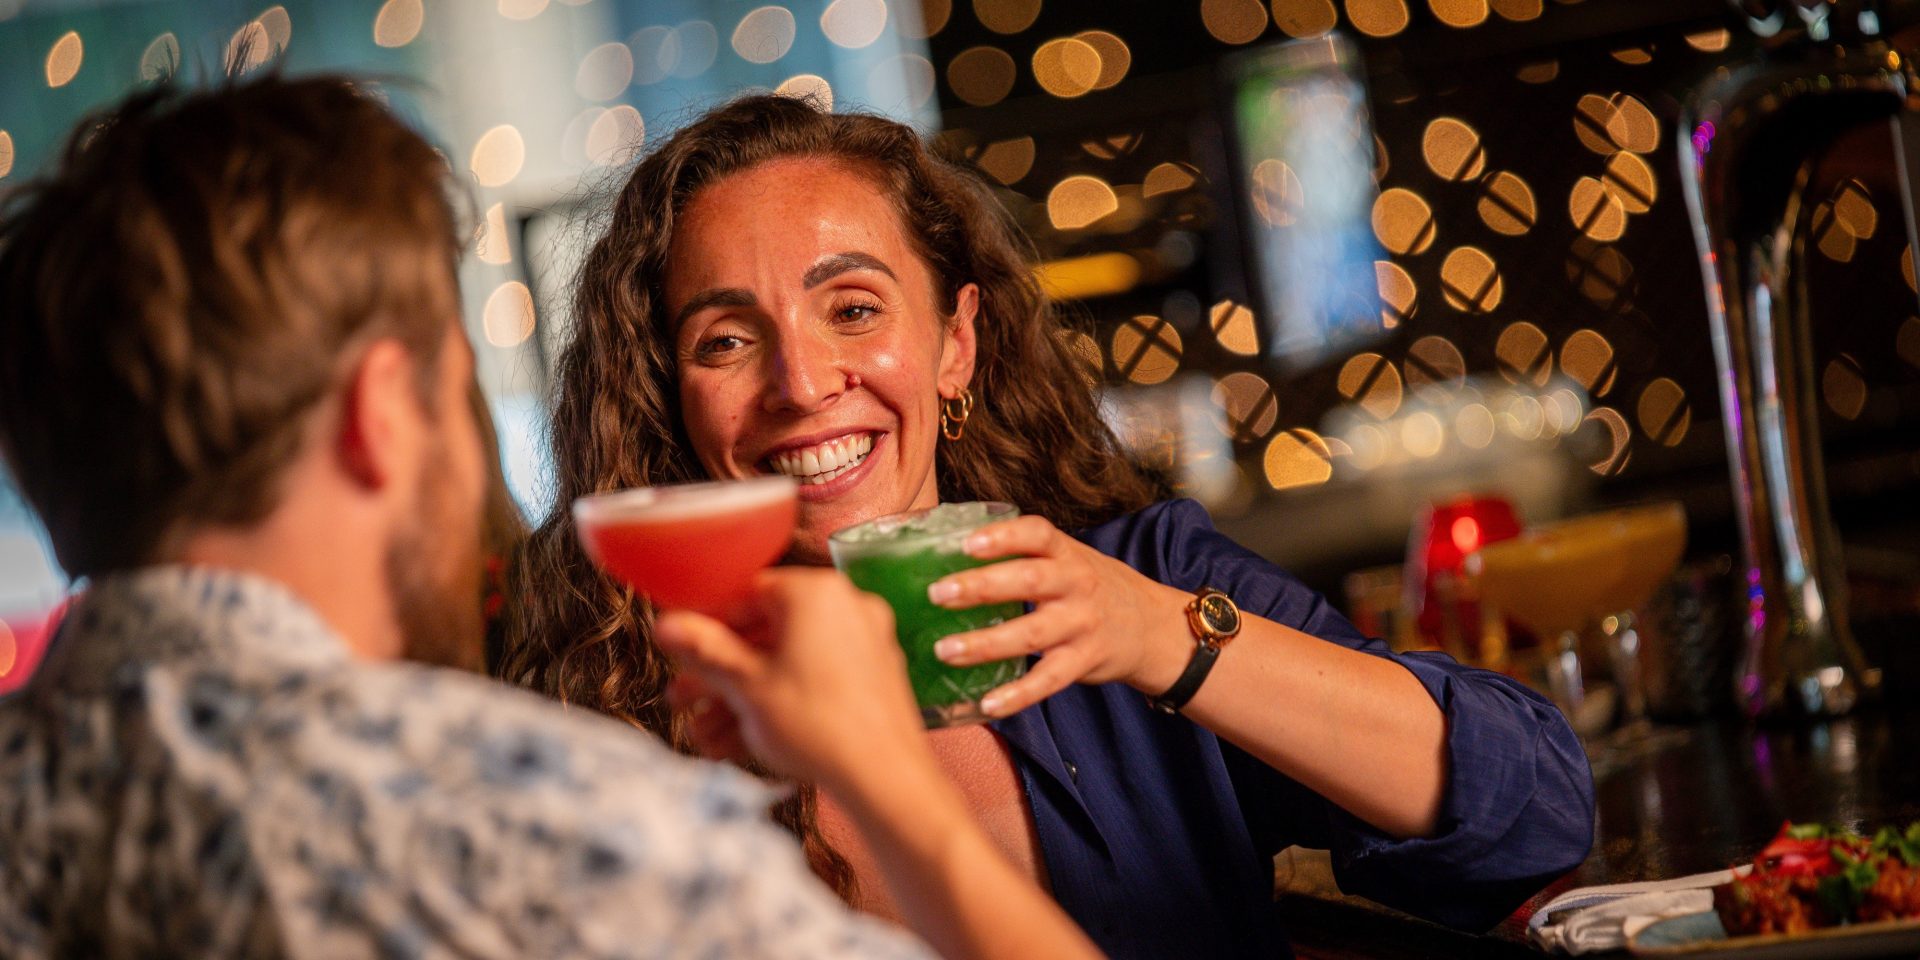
810	342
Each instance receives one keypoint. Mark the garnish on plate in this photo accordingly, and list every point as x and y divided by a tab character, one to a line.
1811	876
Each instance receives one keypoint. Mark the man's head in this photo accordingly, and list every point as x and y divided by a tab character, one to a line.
233	313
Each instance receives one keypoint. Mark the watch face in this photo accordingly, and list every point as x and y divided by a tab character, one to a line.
1219	614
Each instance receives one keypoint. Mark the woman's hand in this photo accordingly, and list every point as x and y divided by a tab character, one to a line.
807	678
1094	619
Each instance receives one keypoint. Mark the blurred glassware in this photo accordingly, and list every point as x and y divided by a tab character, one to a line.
1441	606
1374	604
1566	579
1689	641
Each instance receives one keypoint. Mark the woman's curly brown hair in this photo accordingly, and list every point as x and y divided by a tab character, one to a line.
1035	439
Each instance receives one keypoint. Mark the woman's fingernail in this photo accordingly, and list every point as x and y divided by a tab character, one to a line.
949	648
991	704
943	592
976	544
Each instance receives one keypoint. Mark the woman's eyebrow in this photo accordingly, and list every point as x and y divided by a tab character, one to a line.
714	297
832	266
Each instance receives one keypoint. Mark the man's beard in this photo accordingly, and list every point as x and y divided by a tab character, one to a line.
435	574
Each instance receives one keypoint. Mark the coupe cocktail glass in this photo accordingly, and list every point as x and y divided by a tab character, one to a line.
696	546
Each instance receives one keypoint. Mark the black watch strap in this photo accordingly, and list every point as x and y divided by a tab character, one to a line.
1183	689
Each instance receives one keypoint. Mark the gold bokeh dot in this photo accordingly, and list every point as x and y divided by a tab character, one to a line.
1080	200
1377	18
1006	16
521	9
1167	177
1402	221
278	25
765	34
808	86
1277	194
1519	11
1373	384
1234	327
1587	358
64	59
1632	126
1422	434
1305	18
1710	41
1146	350
1665	414
854	24
398	22
1460	13
498	156
1906	265
1399	297
1616	450
1433	361
981	76
1506	204
509	318
1591	118
1524	356
1634	56
1631	181
1595	211
1249	405
1298	458
1470	281
1853	207
1087	351
1234	21
1474	425
6	153
1066	67
1115	57
616	136
1844	386
1906	343
1833	239
1112	146
1543	71
248	49
1453	150
1007	160
933	18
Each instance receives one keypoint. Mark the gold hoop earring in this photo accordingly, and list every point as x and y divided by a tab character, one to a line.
954	412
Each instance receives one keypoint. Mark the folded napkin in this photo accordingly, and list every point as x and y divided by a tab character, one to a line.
1591	919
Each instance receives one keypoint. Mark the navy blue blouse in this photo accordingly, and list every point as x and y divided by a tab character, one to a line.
1159	837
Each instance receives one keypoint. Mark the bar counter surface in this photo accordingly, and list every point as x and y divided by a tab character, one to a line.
1682	800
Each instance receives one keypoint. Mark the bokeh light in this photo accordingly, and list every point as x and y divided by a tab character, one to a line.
1453	150
933	18
498	156
1372	383
1249	405
1298	458
1460	13
1066	67
1844	386
1115	57
765	34
494	246
1377	18
1523	355
1277	195
509	318
1664	412
1506	204
1399	296
1078	201
1235	327
616	136
1709	41
1470	281
604	72
981	76
1544	71
1631	181
1595	211
913	72
1007	160
64	59
1587	359
1402	221
161	59
854	24
1434	361
1474	425
1146	350
521	9
808	86
1167	178
1519	11
1305	18
6	153
1234	21
1006	16
1617	436
398	22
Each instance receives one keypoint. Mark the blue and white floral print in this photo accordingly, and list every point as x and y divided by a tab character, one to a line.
201	768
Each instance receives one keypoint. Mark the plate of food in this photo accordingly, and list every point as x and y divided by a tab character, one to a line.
1814	891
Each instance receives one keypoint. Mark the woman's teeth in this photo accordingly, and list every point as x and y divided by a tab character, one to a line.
821	463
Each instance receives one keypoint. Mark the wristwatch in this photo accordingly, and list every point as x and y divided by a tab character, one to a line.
1214	620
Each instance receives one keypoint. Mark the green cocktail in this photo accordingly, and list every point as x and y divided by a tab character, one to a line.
897	558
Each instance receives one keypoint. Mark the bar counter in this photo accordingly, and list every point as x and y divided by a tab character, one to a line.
1682	800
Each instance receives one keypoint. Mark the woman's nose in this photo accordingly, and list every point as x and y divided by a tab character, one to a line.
807	374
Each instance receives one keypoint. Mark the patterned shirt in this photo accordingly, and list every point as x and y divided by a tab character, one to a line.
201	768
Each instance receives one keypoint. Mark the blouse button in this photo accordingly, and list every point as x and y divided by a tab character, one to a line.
1073	772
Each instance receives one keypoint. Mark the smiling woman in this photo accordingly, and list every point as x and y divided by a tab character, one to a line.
786	291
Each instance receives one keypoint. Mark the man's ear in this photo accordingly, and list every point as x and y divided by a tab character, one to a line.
958	352
380	412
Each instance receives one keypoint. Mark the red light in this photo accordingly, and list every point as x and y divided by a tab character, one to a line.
1466	535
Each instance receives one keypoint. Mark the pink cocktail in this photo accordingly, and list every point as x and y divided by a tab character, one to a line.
697	545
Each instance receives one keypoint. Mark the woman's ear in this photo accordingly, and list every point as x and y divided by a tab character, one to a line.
958	349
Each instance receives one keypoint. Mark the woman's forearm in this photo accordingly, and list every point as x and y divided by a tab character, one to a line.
1357	729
